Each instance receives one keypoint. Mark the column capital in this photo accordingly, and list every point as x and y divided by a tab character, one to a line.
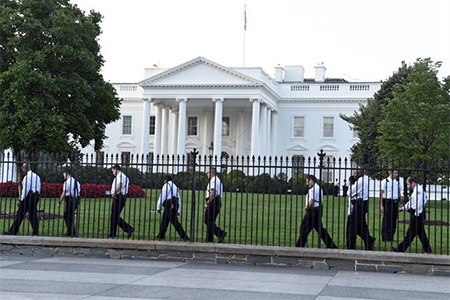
181	99
220	99
147	99
255	99
153	101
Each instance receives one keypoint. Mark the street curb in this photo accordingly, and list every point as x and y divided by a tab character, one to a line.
323	259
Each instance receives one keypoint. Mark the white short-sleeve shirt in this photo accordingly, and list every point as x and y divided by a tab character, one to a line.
315	194
120	178
72	187
214	184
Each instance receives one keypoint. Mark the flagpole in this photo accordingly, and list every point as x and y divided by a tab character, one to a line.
245	29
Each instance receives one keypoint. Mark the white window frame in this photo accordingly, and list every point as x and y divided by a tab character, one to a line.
323	127
149	124
229	125
123	125
187	125
293	128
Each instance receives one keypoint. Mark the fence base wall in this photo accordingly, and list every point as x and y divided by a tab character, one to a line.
318	259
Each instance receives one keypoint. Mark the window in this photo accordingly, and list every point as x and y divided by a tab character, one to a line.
126	128
328	127
298	164
192	125
226	126
126	158
299	126
152	125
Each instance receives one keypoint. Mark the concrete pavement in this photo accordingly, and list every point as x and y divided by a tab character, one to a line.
27	277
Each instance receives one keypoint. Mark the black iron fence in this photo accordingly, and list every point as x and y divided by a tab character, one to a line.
263	201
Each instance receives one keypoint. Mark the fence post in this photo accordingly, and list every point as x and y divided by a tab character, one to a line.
194	154
321	155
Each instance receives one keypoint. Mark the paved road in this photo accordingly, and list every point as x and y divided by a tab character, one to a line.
74	278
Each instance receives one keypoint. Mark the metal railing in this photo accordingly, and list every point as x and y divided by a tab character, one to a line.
263	201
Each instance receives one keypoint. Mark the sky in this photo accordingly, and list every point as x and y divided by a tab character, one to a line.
359	40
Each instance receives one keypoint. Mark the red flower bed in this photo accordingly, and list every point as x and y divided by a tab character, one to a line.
53	190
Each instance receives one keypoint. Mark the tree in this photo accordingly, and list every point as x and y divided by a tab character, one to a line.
416	122
366	121
52	95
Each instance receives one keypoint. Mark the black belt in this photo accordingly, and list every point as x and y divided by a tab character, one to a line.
390	199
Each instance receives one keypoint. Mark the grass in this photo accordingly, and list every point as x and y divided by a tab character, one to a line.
252	219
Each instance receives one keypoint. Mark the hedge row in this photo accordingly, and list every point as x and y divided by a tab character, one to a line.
235	180
88	190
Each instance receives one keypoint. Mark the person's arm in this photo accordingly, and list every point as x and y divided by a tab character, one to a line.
25	188
381	199
161	198
63	194
179	203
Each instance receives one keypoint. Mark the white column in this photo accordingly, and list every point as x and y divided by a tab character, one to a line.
263	131
240	133
269	132
145	126
158	124
273	142
207	133
174	131
255	127
181	126
165	132
218	126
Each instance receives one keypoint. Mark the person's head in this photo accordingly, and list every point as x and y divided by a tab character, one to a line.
358	174
26	167
351	180
67	174
116	169
311	180
411	182
211	173
167	178
393	173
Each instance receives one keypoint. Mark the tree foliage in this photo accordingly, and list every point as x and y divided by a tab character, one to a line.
52	95
367	120
416	122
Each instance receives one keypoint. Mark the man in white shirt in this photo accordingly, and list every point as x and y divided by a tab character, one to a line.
313	218
359	195
170	199
29	198
71	193
119	192
416	207
212	207
390	192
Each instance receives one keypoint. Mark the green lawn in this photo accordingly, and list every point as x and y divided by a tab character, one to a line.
253	219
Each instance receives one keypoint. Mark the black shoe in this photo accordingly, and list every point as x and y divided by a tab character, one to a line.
186	239
394	249
7	233
111	237
130	233
222	237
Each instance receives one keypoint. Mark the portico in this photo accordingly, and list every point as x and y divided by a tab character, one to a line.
234	113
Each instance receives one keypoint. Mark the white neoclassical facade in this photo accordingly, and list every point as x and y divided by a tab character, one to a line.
241	111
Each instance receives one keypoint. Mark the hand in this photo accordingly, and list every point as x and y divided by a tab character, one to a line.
381	208
401	209
113	195
206	206
18	203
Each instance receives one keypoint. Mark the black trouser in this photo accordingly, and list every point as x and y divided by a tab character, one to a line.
170	215
116	208
29	204
69	215
344	191
358	226
416	228
312	220
390	217
211	214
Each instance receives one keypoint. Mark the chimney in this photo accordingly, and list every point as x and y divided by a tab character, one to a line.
320	72
279	73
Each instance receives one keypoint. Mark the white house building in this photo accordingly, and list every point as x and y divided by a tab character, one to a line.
241	111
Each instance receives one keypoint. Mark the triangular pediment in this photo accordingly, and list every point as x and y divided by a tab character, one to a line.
297	148
199	72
